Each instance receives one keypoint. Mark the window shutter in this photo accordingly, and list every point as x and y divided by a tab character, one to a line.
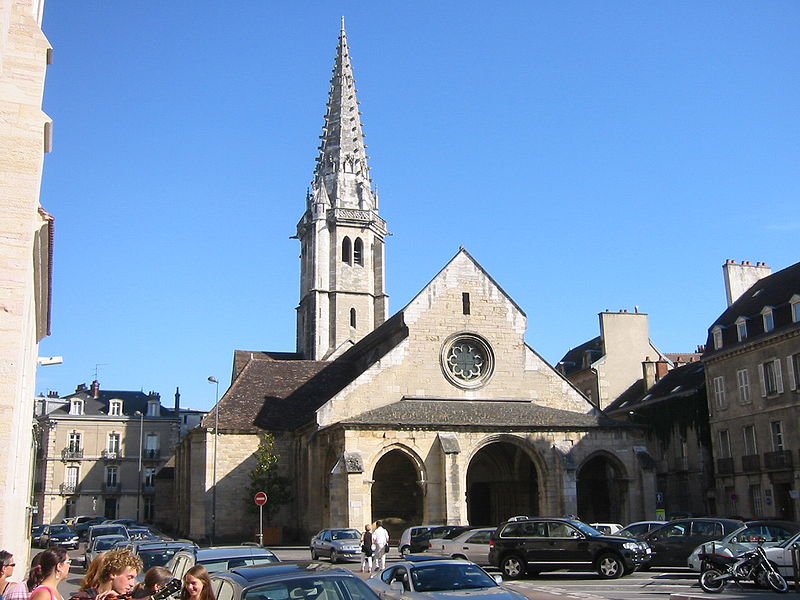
763	383
792	375
778	376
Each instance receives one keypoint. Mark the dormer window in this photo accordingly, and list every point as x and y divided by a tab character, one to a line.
795	302
115	408
769	320
76	406
717	333
741	329
153	408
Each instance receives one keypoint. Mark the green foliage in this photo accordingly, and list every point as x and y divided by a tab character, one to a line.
266	478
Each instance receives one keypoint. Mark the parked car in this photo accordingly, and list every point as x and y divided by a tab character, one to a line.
36	534
438	579
83	528
423	541
411	535
142	534
673	543
781	555
607	528
98	545
58	535
766	533
219	558
290	581
103	529
125	522
336	544
472	545
157	553
550	544
639	529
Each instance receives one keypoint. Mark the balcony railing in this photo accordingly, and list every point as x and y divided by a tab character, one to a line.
68	488
751	463
72	453
725	466
110	454
112	488
151	453
780	459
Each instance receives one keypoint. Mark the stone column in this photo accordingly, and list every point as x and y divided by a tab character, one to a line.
455	508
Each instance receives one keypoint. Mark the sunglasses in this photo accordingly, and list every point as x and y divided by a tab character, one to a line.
10	565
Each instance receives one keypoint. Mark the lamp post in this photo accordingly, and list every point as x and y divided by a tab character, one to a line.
139	484
215	381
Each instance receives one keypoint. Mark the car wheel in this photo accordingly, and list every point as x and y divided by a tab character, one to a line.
314	555
512	566
404	550
334	557
610	566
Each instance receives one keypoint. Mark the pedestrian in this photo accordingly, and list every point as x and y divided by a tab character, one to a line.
114	576
380	537
52	569
7	561
366	549
196	584
154	580
21	591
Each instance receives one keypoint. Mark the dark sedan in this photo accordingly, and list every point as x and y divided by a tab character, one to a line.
673	543
58	535
290	581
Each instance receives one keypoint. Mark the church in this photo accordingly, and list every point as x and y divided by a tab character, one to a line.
439	413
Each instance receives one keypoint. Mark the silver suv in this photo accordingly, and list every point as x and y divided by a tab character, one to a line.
219	558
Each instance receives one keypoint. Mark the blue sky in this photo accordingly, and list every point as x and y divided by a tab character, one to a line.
590	155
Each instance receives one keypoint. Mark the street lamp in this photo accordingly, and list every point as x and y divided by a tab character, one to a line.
215	381
139	485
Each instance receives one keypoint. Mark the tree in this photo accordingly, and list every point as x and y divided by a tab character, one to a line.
266	478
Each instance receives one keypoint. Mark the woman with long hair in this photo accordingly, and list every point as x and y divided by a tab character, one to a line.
196	584
45	577
154	579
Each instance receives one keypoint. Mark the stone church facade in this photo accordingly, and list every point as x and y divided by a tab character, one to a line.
440	413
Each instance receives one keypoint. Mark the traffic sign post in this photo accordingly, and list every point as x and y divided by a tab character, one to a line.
260	499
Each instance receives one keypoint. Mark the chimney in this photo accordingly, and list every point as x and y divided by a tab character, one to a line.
741	277
648	373
95	389
81	387
661	369
52	394
177	400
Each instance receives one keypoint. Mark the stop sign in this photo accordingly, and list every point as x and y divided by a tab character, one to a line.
260	498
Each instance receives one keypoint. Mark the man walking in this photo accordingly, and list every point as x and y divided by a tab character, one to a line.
380	537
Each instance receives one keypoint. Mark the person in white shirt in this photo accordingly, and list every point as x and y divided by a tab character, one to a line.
380	539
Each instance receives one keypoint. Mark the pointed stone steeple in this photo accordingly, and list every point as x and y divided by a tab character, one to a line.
342	272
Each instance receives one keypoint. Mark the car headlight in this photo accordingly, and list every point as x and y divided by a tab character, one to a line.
631	546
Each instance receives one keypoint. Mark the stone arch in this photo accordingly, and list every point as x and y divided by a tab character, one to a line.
398	488
504	478
602	488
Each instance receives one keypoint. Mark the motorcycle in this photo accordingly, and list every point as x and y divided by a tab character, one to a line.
752	565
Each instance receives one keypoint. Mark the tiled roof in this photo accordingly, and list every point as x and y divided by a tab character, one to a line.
438	413
774	290
687	380
131	402
573	360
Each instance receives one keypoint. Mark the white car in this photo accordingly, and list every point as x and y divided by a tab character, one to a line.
607	528
781	555
768	533
470	545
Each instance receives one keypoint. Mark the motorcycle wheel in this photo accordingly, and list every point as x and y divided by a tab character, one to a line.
777	582
712	581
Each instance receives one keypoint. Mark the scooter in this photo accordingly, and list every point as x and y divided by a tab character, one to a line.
752	565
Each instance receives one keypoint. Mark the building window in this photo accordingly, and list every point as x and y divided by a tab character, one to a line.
151	446
74	442
776	427
113	443
153	408
750	447
112	476
793	366
719	392
115	408
771	380
741	329
465	307
71	478
69	508
352	317
795	301
358	252
768	319
756	503
76	406
717	333
743	382
724	444
149	508
467	360
347	251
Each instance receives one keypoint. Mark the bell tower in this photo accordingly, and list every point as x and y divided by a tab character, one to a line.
342	260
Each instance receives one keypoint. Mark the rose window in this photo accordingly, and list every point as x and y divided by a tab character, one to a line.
467	361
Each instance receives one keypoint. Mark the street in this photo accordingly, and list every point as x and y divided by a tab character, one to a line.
658	584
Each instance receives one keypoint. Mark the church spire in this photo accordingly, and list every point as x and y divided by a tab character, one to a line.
342	161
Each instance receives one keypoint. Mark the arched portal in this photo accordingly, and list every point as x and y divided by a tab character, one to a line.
502	481
396	495
602	490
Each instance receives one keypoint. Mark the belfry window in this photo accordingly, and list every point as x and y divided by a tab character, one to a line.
358	252
347	251
352	317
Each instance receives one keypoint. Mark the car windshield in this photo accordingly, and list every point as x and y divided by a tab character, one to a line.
312	588
106	544
795	539
156	558
441	577
226	564
345	534
60	529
